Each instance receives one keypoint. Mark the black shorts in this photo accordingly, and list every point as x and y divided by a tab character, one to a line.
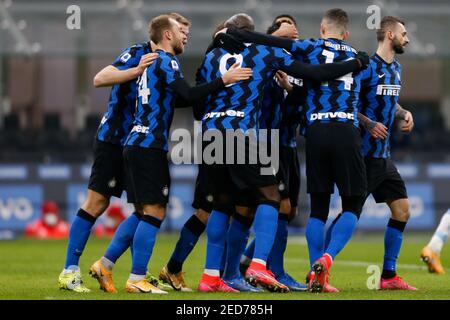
147	174
203	198
107	174
384	181
334	156
229	182
288	175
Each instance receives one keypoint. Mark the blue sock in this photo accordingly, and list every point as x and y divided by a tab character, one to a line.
342	233
123	237
314	237
330	230
250	250
265	225
216	231
189	235
143	243
393	239
78	237
237	238
276	257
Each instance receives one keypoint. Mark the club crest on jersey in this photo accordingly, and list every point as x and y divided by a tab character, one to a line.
175	65
112	183
165	191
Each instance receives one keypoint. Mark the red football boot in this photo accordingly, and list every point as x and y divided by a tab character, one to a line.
322	271
213	284
395	283
258	274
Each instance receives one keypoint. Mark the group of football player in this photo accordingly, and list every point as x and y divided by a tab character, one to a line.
342	101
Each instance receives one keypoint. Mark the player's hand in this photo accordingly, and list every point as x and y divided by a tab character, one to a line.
146	60
236	73
286	30
224	30
363	58
377	130
283	80
229	43
408	124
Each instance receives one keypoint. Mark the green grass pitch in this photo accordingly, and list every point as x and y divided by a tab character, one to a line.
29	269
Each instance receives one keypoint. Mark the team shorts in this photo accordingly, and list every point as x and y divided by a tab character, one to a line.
238	183
334	156
107	174
147	175
384	181
288	175
203	198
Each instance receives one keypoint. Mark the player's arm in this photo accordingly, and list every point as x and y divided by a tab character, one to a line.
261	38
115	74
227	42
193	94
324	72
403	114
376	129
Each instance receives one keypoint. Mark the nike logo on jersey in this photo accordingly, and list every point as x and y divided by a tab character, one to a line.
380	76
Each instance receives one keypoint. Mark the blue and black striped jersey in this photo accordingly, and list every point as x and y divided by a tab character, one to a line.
155	103
238	106
381	85
118	119
335	100
277	112
270	113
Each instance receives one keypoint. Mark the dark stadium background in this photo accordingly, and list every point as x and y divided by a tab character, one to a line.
49	109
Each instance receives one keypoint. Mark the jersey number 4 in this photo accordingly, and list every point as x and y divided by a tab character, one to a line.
347	79
143	90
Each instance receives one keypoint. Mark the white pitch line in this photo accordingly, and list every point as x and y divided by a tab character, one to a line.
352	263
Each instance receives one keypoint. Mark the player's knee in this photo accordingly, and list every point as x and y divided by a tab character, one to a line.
95	203
353	204
202	215
285	206
320	206
157	211
270	195
400	210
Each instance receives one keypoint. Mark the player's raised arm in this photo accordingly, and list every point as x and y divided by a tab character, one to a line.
193	94
261	38
112	74
327	71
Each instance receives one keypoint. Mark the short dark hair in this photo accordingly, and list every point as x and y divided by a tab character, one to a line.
386	23
158	25
275	26
240	21
338	18
285	15
183	20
